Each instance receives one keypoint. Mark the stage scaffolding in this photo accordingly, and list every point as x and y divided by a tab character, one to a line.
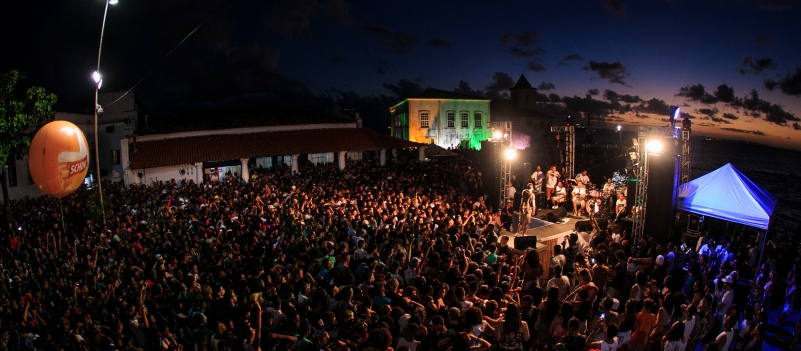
506	164
569	160
638	209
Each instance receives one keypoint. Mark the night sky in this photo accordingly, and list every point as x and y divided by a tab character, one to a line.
734	66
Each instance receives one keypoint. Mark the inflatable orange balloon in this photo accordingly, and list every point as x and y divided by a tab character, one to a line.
58	158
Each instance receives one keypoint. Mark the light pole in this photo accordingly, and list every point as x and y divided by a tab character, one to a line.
98	110
619	136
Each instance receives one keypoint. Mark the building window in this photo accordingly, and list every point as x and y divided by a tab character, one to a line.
465	120
424	119
115	157
451	118
477	117
12	172
325	157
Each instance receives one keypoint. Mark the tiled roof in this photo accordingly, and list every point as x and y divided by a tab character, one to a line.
226	119
226	147
443	94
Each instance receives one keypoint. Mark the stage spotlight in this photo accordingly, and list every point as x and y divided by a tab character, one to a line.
510	154
675	115
655	146
496	134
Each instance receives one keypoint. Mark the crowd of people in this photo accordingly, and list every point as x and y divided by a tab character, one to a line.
406	256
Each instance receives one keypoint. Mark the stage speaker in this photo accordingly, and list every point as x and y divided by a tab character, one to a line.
515	220
583	226
556	215
524	242
631	193
663	180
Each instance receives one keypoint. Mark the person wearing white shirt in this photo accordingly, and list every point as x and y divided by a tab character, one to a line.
510	193
620	206
558	195
727	299
551	179
583	177
537	178
579	193
609	188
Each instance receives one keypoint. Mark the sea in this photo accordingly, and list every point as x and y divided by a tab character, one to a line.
776	170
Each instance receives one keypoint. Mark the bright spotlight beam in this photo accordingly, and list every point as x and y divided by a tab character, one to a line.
655	146
510	154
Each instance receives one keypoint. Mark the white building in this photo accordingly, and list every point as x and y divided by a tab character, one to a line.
198	146
441	117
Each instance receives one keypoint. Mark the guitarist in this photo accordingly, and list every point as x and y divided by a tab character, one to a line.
527	208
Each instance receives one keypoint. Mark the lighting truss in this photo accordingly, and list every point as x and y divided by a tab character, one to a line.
506	164
641	190
685	156
569	160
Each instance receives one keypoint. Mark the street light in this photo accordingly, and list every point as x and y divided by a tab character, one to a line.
97	110
497	135
619	136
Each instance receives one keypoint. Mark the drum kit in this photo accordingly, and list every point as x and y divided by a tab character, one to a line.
598	201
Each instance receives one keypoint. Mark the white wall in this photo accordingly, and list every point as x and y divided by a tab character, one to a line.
438	127
24	187
165	174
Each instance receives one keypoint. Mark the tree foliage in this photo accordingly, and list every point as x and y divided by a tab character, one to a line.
22	113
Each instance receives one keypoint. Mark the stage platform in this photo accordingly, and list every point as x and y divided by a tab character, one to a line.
548	234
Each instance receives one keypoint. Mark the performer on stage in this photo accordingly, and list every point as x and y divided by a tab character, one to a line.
579	195
620	207
527	208
537	178
583	177
553	178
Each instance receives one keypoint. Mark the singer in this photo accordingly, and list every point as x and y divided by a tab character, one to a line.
527	208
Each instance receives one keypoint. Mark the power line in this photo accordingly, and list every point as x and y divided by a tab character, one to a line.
171	51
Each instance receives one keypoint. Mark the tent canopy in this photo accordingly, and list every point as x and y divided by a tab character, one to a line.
726	193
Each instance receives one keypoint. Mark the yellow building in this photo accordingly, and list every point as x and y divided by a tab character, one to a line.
441	117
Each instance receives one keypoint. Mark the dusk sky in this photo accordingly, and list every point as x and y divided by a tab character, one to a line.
623	61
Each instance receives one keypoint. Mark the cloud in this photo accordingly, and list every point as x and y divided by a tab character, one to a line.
698	93
593	92
571	57
614	97
708	111
439	43
655	105
464	88
404	88
687	115
501	83
554	97
757	66
522	52
521	44
397	43
617	7
535	66
615	72
381	65
290	16
796	126
724	93
540	97
755	132
546	86
790	84
773	112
